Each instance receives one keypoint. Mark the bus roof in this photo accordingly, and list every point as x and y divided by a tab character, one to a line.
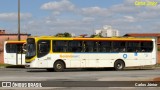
16	42
96	39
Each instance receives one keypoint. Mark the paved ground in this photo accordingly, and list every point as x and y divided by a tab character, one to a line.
12	74
78	75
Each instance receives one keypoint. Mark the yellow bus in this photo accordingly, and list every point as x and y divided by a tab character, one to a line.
13	52
62	53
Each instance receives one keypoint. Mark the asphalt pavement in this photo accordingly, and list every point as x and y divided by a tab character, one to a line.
96	79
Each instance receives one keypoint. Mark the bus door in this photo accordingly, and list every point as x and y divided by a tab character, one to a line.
20	55
43	62
43	51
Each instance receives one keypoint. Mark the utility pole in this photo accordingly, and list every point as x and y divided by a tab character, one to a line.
19	38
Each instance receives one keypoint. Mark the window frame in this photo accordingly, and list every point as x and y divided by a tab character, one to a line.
40	53
94	46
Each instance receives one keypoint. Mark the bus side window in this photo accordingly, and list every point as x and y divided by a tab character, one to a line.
119	46
19	48
11	48
43	47
133	46
105	46
146	46
24	47
75	46
123	50
60	46
90	46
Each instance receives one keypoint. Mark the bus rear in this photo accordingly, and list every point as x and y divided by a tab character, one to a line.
13	52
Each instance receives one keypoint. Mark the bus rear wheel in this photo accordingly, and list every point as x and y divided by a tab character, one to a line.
58	66
119	65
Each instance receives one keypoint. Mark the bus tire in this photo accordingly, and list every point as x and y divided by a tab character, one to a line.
59	66
119	65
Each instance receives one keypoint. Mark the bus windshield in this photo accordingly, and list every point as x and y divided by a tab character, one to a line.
31	50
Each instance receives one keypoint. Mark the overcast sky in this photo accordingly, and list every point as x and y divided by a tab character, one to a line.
48	17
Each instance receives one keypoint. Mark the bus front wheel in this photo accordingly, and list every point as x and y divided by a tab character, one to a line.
58	66
119	65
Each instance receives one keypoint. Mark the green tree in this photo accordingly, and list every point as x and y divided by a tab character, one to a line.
59	35
66	34
96	36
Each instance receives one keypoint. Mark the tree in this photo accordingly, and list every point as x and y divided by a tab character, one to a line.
59	35
96	36
66	34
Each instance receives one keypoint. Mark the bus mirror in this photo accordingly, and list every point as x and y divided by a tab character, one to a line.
24	47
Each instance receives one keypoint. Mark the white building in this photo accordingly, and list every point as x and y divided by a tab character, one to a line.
107	31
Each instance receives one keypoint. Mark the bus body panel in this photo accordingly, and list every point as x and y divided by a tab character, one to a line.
93	60
14	58
89	61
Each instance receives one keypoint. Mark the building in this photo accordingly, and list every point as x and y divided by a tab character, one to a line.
152	35
8	36
107	31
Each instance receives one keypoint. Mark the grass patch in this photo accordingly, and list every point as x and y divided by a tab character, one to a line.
4	65
157	65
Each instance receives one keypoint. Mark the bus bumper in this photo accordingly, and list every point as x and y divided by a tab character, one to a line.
27	66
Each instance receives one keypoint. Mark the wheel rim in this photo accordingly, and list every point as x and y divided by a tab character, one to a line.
59	66
119	66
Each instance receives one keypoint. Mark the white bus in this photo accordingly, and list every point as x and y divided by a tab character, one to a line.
61	53
13	52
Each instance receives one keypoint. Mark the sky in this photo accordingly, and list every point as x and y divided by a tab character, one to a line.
49	17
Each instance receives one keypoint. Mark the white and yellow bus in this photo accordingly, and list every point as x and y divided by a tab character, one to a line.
61	53
13	52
